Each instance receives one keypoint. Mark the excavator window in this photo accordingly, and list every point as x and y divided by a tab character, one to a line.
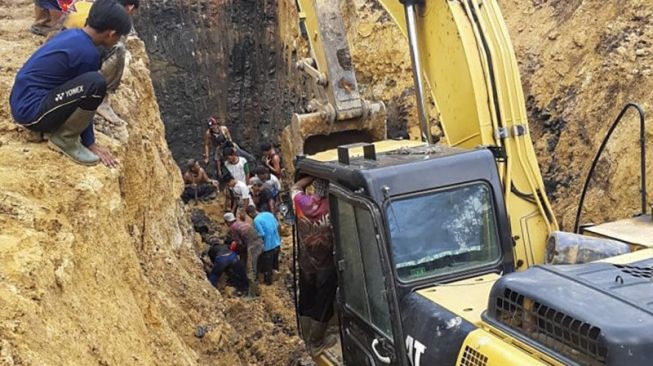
363	279
443	231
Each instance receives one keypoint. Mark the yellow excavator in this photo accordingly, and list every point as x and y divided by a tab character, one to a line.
441	250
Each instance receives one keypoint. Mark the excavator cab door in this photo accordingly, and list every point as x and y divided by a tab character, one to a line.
365	295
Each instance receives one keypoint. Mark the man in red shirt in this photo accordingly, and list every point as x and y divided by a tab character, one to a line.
317	275
249	246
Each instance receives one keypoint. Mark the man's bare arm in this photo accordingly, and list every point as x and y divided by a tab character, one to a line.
272	205
226	132
204	178
303	183
207	143
188	178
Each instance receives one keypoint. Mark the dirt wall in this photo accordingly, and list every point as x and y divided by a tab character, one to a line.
581	62
97	265
222	58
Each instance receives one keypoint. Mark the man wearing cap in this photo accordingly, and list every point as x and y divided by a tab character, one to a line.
60	87
249	246
215	137
317	275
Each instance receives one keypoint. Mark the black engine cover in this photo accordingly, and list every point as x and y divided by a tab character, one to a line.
589	314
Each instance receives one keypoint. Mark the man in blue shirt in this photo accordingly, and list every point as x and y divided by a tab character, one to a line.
267	228
59	88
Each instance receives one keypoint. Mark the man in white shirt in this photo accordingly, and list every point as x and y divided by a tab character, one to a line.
236	166
240	195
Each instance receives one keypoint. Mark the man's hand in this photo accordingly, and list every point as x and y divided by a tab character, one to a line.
104	155
206	161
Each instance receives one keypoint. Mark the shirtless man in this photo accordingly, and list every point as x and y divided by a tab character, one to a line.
198	183
271	159
215	136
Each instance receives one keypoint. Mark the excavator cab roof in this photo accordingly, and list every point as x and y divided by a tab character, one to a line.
390	168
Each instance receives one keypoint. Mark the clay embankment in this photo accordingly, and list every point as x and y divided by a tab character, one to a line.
99	266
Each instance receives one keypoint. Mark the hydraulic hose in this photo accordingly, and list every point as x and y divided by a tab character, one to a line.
642	152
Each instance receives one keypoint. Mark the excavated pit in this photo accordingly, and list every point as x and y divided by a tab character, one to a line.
100	266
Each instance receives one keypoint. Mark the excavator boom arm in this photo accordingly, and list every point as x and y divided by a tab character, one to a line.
466	58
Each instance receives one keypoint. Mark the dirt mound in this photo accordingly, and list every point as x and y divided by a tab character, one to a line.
99	266
581	62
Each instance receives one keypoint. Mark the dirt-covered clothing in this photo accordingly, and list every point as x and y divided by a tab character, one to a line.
274	184
269	261
241	192
317	292
245	236
228	263
217	140
200	191
264	196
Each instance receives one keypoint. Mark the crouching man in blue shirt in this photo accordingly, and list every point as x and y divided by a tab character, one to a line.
60	87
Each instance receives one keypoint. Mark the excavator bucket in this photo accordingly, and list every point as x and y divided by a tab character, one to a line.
338	114
311	133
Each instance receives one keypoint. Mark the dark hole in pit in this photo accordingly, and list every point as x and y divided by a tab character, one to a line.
318	143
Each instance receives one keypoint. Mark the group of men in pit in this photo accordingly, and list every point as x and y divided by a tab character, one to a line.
56	95
250	248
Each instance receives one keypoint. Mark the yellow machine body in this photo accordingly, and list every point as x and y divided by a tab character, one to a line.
473	77
471	72
77	17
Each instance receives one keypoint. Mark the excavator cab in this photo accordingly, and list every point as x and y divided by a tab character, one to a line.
406	216
431	268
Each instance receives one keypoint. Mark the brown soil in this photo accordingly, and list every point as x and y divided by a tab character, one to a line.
581	62
99	266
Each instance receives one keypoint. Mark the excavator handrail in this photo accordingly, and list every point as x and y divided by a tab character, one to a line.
642	148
